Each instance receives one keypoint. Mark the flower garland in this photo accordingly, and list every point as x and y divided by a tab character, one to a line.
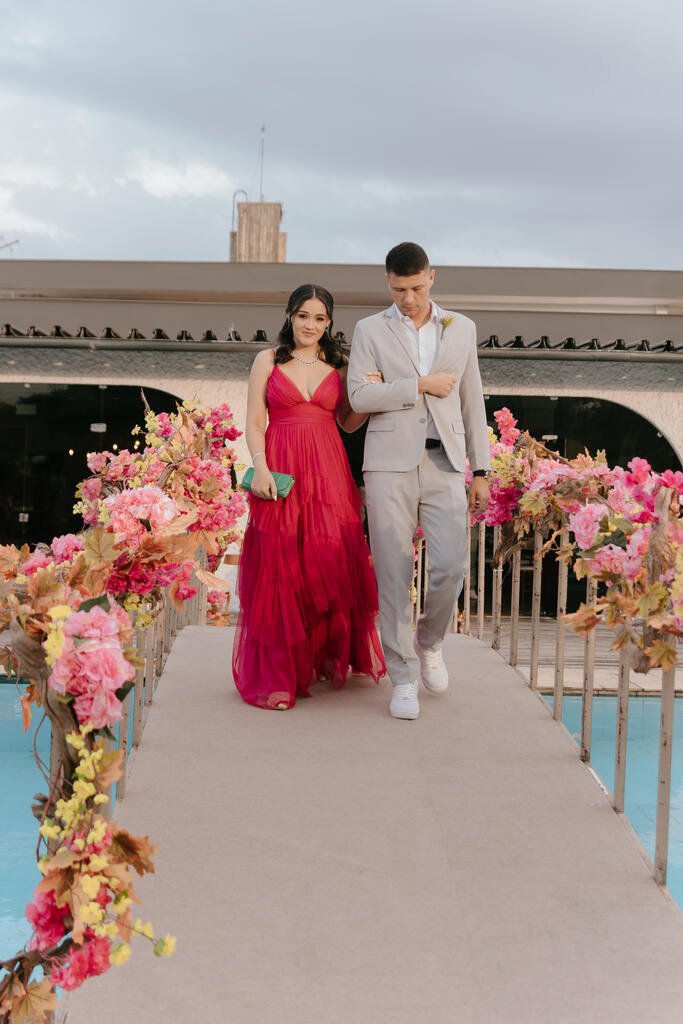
627	531
68	611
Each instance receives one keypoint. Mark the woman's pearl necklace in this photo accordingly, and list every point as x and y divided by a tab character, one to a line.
306	362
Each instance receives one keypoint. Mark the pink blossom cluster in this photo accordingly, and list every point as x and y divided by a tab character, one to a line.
86	961
502	504
219	423
548	473
184	590
114	466
507	426
65	547
47	920
219	507
89	491
141	577
38	560
585	523
128	509
629	562
92	666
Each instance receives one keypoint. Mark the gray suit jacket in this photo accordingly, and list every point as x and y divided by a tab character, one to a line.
397	430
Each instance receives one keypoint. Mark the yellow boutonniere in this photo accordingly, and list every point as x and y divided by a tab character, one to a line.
445	322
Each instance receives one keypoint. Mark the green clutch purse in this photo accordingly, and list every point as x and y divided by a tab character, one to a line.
283	481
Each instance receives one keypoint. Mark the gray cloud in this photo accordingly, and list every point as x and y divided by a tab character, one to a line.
533	132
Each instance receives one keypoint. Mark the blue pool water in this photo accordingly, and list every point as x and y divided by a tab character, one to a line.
642	766
18	829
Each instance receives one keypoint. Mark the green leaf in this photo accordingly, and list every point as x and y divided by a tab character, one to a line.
102	601
120	694
617	537
159	947
107	733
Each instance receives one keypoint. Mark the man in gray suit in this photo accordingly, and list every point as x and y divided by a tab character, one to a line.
414	368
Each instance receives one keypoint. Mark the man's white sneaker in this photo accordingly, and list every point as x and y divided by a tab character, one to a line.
432	669
404	702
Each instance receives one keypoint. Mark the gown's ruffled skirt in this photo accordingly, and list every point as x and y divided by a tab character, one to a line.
306	586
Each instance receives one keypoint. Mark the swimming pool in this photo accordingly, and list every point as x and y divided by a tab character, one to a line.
19	835
642	767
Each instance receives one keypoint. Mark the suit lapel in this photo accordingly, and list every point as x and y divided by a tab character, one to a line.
406	344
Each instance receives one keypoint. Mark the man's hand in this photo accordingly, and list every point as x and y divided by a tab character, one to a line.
438	384
374	378
479	495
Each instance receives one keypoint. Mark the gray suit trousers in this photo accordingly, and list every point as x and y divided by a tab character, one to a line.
434	494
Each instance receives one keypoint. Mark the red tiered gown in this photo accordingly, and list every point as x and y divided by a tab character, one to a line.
307	591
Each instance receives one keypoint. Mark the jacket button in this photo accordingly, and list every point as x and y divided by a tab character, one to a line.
423	419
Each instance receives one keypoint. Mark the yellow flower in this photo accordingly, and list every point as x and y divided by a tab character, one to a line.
50	831
445	322
120	953
121	902
91	886
100	798
147	930
98	862
83	789
96	833
54	644
169	944
91	913
60	611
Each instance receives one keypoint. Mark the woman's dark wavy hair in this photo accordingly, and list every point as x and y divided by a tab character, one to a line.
330	343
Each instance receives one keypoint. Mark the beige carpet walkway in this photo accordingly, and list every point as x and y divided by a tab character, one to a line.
330	865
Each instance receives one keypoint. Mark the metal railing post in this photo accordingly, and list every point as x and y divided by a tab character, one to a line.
497	593
664	779
419	547
622	728
467	588
481	564
536	610
138	692
123	742
562	578
588	673
514	605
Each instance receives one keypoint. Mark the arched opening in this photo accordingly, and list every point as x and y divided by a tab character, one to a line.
571	424
47	431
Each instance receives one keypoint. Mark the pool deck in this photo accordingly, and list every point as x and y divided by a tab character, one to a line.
331	865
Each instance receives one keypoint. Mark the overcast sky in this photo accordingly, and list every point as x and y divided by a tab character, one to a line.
533	132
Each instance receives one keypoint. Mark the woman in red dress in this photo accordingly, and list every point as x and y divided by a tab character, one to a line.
307	591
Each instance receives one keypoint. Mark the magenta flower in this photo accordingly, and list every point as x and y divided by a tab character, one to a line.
47	920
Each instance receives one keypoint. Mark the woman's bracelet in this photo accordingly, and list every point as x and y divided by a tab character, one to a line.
255	454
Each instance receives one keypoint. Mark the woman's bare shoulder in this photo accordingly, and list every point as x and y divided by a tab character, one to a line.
266	357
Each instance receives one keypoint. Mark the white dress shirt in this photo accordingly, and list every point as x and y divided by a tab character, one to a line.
426	339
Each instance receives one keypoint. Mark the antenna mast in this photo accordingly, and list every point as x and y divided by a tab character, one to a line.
263	143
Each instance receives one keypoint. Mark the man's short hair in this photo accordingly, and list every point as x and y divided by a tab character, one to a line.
406	259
